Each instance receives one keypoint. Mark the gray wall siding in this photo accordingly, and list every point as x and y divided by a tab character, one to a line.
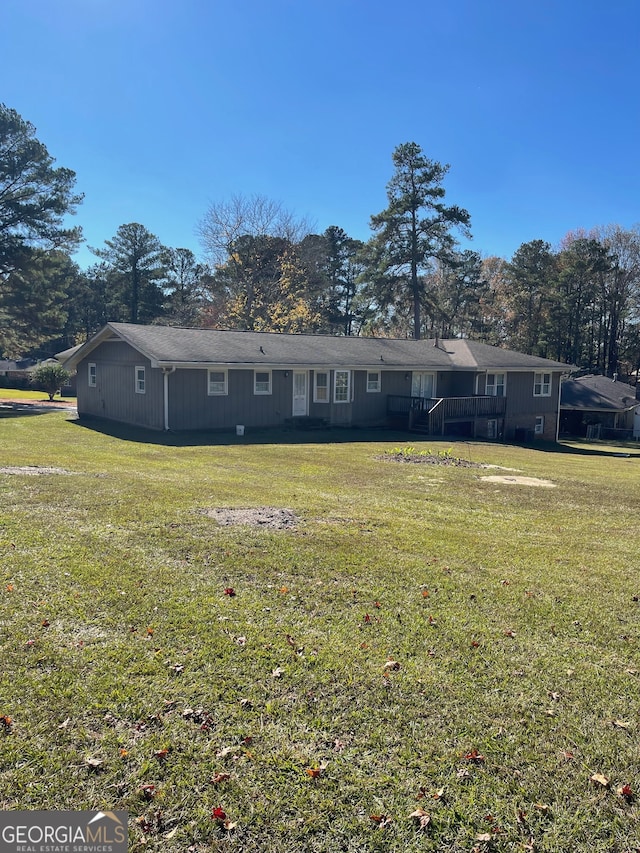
523	407
114	395
455	384
191	407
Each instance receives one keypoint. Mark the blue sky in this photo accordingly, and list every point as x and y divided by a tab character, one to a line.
163	107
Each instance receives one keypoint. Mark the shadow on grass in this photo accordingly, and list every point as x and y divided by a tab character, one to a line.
252	436
331	435
19	411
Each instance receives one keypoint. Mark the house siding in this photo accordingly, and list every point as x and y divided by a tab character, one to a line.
523	407
114	396
192	407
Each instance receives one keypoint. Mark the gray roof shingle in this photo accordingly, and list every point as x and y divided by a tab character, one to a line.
166	345
597	393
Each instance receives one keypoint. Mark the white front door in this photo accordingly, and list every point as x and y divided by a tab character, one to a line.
422	384
300	395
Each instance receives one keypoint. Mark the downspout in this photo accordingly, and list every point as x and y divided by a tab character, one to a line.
165	373
558	417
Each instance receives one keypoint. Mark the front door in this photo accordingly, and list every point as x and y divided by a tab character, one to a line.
422	384
300	394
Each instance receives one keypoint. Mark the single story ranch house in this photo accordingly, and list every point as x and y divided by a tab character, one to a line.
168	378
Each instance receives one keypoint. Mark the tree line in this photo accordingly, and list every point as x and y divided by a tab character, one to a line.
262	268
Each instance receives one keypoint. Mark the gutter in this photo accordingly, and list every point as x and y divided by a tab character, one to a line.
166	371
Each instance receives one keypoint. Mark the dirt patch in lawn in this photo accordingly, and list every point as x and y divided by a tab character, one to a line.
269	517
33	470
520	481
430	459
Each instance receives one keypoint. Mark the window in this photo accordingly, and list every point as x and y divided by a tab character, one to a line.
320	387
373	381
262	382
494	386
217	382
92	376
492	429
542	385
342	389
140	389
539	427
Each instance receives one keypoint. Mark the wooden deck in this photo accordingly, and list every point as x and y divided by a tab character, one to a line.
433	415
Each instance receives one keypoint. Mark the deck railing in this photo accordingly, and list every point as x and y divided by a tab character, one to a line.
434	412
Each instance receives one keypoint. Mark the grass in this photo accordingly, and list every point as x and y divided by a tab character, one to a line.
35	396
422	640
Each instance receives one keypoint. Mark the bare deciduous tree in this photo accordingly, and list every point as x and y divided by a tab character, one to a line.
240	216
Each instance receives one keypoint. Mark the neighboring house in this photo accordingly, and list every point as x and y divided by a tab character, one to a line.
598	407
15	374
204	379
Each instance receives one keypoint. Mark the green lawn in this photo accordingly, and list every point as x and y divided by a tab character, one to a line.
35	396
422	640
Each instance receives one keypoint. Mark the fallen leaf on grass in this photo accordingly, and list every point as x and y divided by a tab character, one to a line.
421	817
599	779
392	665
9	587
230	591
219	813
278	672
161	754
382	820
484	836
148	791
93	763
621	724
218	778
45	623
474	757
145	825
625	792
314	772
509	632
65	723
225	751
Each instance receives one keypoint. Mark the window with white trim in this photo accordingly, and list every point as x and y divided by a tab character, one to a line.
373	381
217	383
541	384
539	425
92	374
262	382
140	380
495	385
320	387
342	387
